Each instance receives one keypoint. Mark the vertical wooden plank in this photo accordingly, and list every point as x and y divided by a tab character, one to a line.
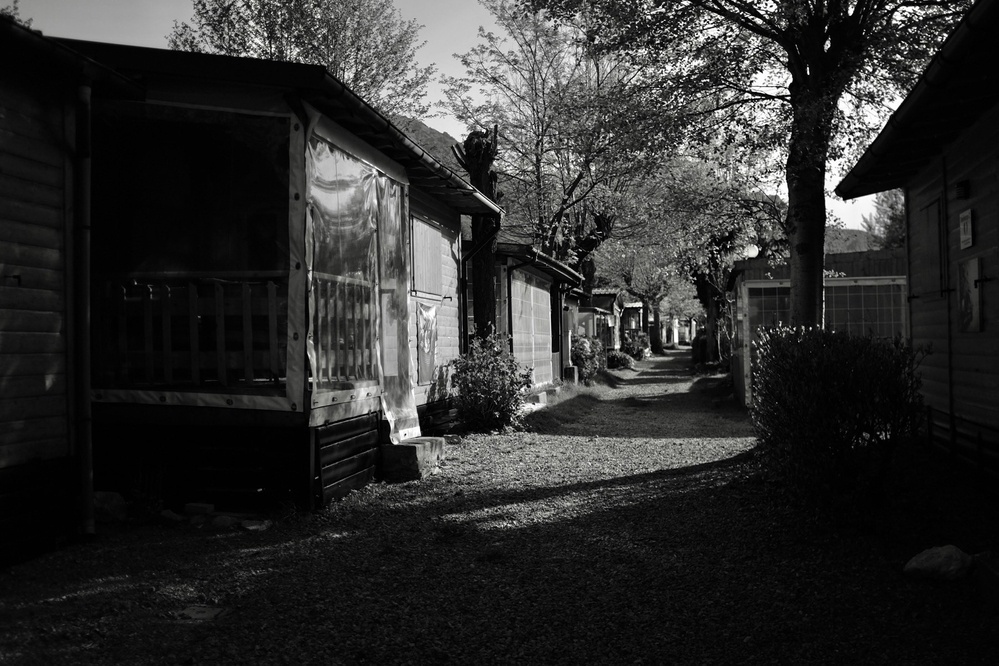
220	351
147	332
322	353
247	333
340	343
366	332
167	304
372	319
351	332
122	309
272	332
330	335
192	315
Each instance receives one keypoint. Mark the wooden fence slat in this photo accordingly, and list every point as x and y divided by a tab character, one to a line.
330	335
352	330
247	334
322	333
220	333
338	341
167	334
122	355
369	332
147	332
272	332
192	316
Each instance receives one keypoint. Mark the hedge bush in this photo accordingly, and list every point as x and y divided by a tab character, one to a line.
489	385
637	345
618	359
829	408
588	356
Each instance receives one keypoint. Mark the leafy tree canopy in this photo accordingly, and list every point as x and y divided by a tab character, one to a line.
579	124
808	78
12	11
887	224
364	43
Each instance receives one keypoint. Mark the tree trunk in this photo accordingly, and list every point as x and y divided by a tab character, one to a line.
656	333
806	211
711	331
479	154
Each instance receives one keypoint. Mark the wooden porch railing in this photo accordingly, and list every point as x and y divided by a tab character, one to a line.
191	329
344	330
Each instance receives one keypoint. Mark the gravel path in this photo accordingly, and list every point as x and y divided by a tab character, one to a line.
627	527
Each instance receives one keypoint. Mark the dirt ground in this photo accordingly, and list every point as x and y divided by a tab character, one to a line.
627	525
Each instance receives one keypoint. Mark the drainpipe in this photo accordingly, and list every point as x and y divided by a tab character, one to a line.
81	313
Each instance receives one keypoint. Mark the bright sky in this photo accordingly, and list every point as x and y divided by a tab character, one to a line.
450	26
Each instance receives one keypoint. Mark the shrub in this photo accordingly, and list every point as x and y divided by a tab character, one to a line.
588	356
490	385
829	408
637	345
618	359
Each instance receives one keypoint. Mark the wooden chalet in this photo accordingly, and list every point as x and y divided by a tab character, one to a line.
45	103
530	301
600	317
273	277
940	147
864	293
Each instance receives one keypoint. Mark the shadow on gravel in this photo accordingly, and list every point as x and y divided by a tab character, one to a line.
674	566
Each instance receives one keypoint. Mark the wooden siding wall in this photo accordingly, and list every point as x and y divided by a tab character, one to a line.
33	262
532	332
968	361
448	301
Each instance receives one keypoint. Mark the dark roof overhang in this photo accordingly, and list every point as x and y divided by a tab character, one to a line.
960	84
529	256
38	55
313	84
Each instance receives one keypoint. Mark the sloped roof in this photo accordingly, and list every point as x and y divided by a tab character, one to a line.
558	270
310	83
36	52
960	84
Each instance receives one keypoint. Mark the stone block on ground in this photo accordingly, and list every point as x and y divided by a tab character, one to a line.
940	563
411	460
538	398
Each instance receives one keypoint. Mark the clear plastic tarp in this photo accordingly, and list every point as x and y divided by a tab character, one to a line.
359	281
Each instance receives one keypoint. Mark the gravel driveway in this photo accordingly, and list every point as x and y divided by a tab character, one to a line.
627	527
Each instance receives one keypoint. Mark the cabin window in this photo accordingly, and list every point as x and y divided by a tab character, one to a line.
190	248
427	261
184	190
932	280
